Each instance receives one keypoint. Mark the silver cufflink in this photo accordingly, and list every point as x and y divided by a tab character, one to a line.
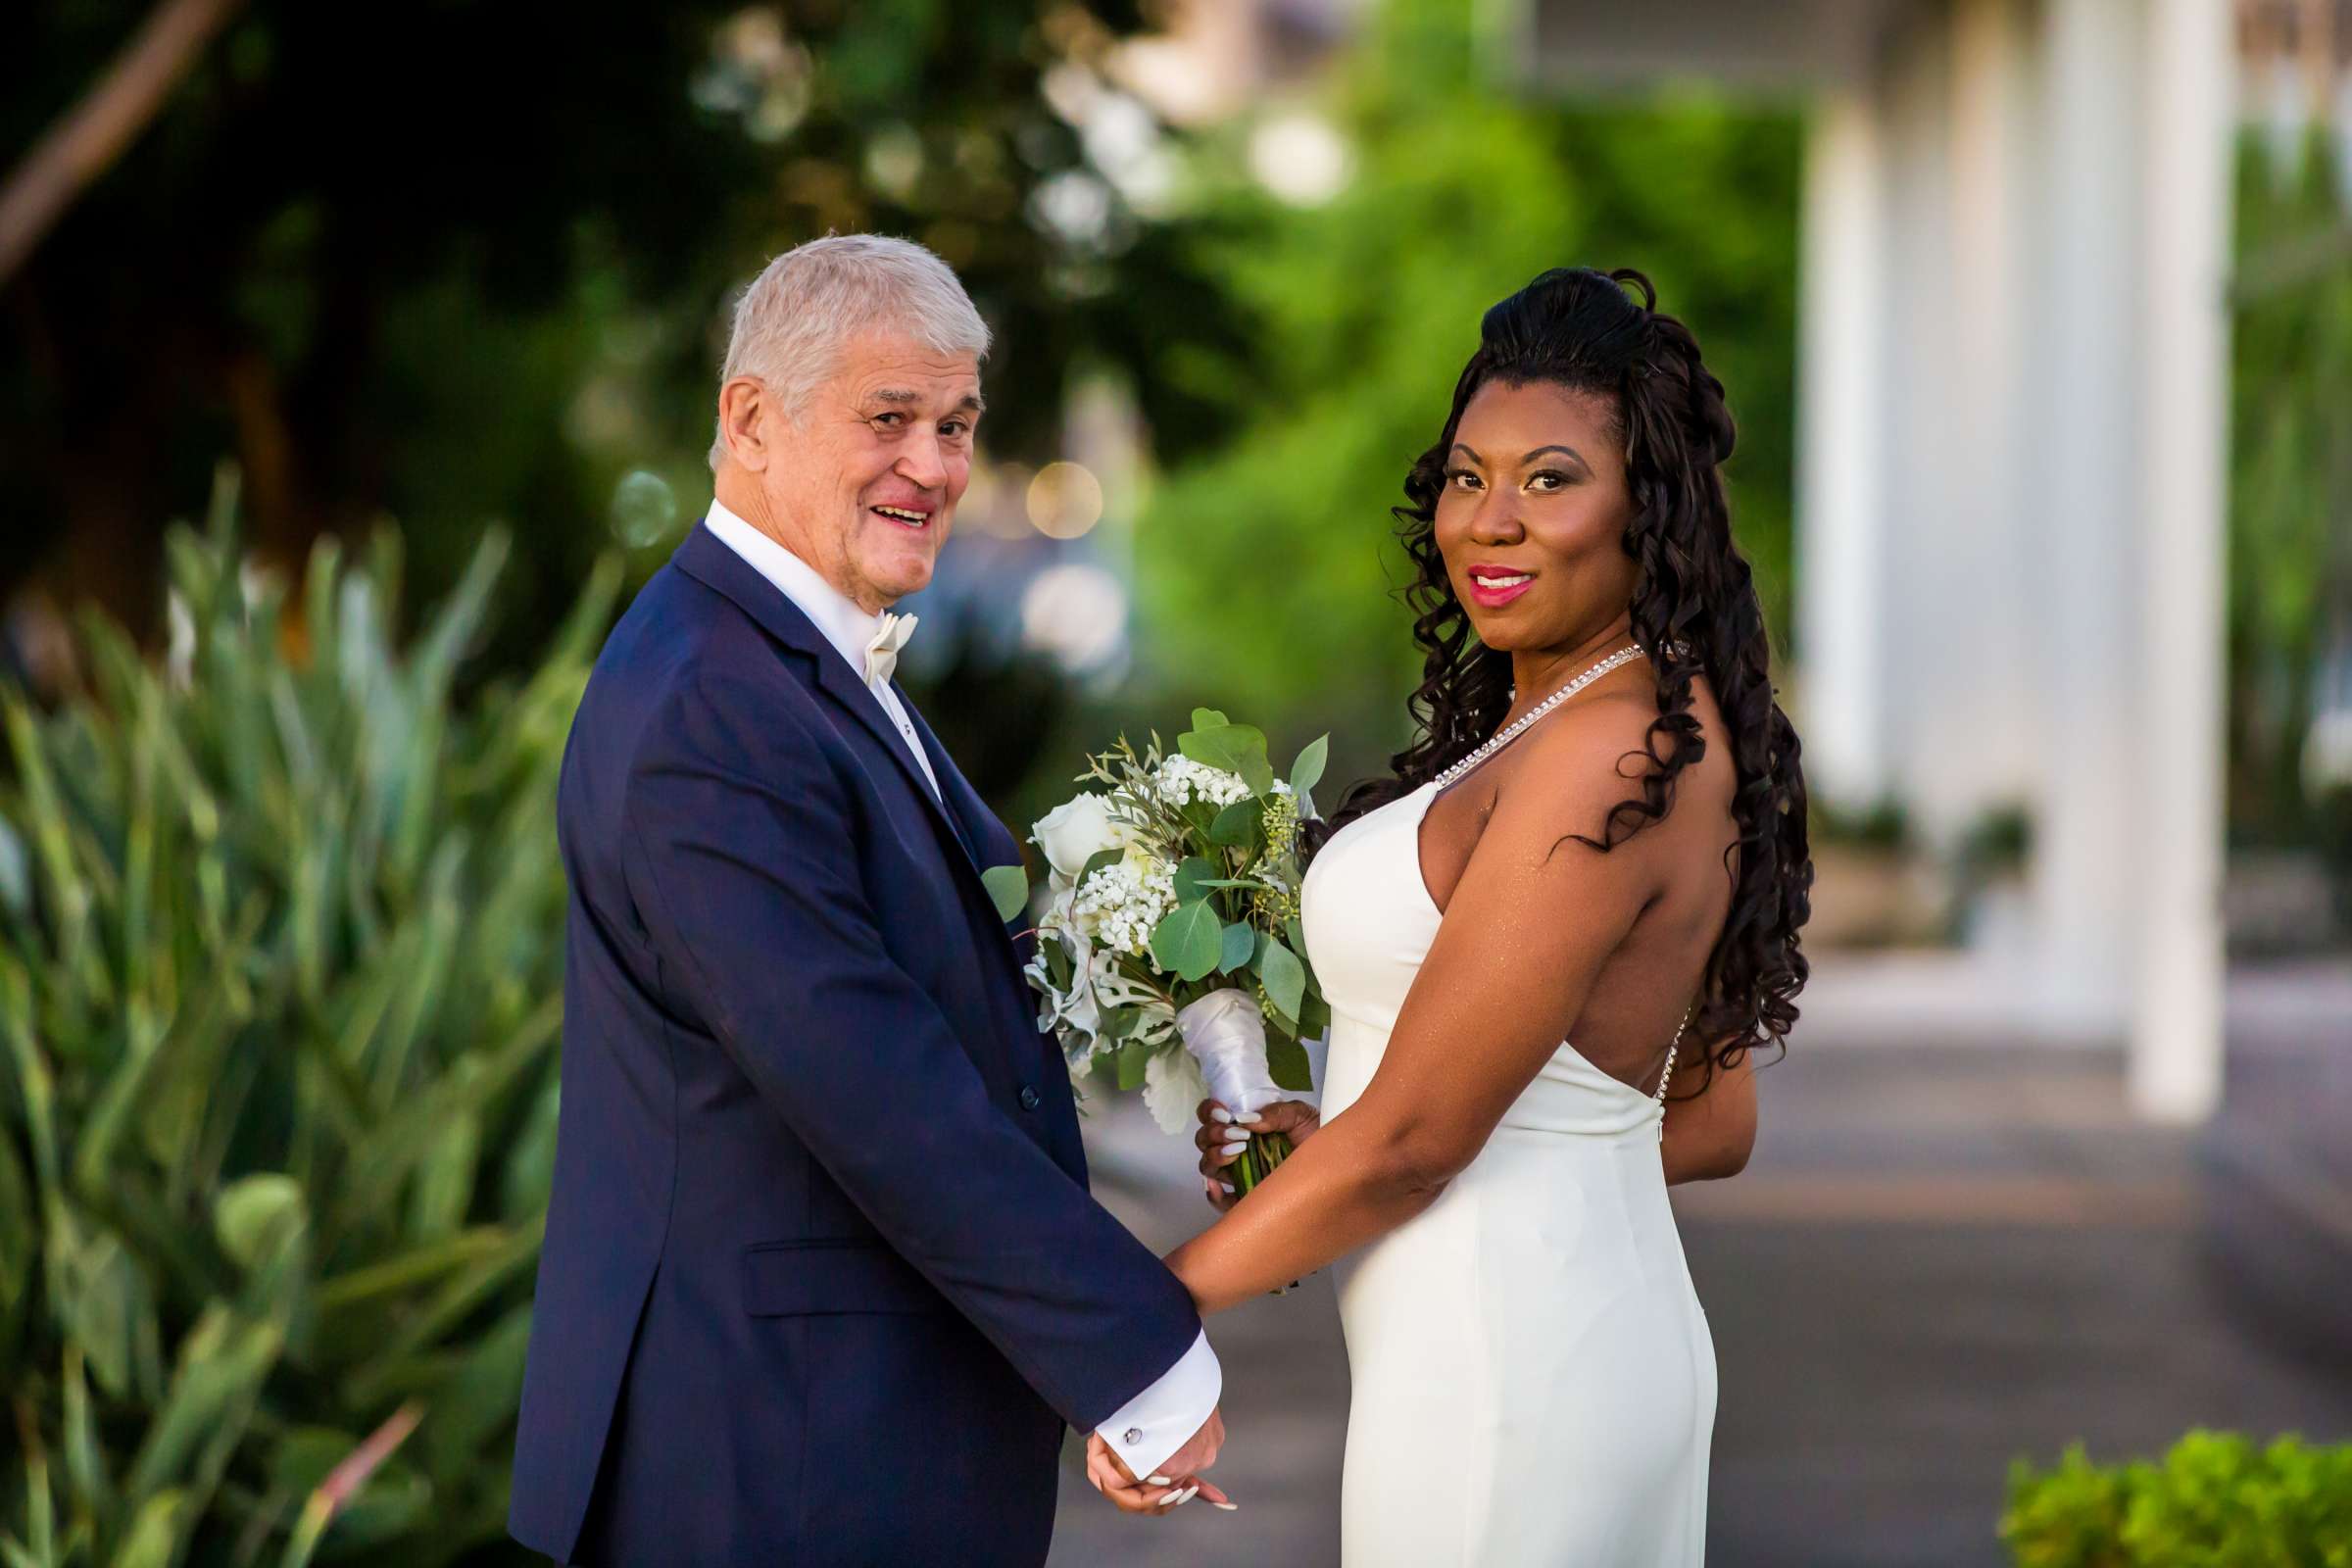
1133	1435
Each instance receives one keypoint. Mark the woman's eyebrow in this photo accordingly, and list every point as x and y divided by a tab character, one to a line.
1472	455
1568	452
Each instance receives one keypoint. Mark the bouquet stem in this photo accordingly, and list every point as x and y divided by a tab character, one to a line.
1256	1162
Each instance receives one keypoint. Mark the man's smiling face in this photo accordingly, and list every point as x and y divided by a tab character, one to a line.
869	475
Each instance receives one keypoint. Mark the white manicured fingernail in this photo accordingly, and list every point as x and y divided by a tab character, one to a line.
1158	1481
1220	1115
1236	1146
1229	1508
1229	1187
1190	1492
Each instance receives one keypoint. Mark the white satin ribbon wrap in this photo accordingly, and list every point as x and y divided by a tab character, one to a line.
1227	1036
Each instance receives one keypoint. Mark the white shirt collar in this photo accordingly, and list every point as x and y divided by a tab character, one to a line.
847	627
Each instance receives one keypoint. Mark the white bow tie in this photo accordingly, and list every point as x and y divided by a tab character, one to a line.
882	653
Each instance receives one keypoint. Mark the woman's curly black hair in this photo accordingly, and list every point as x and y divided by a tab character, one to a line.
1695	612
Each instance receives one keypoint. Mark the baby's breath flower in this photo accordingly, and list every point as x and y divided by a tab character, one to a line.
1118	906
1181	780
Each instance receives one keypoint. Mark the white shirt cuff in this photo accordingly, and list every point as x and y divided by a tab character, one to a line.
1162	1419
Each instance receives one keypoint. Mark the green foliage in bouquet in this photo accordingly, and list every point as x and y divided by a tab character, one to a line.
2215	1502
1178	884
280	927
1237	905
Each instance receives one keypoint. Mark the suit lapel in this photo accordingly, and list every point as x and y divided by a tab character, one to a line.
704	557
978	825
991	844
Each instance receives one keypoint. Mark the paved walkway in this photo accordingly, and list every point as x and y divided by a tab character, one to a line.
1941	1257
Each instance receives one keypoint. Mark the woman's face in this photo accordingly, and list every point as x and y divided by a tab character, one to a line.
1532	517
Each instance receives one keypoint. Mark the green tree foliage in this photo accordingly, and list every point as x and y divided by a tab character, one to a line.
2290	476
464	263
281	955
2213	1501
1268	567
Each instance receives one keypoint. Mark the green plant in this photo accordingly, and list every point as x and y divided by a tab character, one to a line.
2216	1501
2290	478
280	950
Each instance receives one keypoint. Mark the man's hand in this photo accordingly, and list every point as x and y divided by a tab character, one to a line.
1177	1480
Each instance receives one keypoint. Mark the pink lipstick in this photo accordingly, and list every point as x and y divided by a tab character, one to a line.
1493	587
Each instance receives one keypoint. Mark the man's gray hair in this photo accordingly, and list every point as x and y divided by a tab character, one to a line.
793	321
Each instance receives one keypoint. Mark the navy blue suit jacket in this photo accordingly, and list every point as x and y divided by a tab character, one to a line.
821	1281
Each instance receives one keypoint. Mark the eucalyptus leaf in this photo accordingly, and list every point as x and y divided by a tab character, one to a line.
1193	876
1238	825
1241	945
1314	1017
1284	976
1008	888
1308	772
1288	1065
1189	940
1235	748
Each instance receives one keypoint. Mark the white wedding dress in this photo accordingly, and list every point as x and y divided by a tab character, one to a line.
1534	1380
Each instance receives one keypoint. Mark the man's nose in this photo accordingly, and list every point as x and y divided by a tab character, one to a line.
924	463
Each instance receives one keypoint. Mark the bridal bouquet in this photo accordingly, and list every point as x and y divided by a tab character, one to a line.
1169	945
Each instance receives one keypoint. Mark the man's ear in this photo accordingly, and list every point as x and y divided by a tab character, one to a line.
744	419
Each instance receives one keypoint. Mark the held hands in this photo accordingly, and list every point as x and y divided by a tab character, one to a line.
1222	1137
1177	1480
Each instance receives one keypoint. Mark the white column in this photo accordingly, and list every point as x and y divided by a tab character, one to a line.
1840	577
2176	1034
1976	747
2090	835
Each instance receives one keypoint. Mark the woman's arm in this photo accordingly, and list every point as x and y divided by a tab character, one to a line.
1709	1137
1527	931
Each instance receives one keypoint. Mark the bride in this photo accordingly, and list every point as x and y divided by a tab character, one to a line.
1585	880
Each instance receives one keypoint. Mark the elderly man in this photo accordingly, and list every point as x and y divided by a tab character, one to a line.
822	1282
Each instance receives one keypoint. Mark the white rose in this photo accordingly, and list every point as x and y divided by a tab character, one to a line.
1075	832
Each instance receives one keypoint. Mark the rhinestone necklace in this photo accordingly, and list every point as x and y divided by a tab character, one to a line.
1623	655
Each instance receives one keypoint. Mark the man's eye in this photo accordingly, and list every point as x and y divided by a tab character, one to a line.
885	419
955	429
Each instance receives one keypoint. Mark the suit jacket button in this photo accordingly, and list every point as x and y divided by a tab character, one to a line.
1132	1436
1029	1101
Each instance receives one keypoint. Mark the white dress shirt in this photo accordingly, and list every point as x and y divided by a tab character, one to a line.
846	626
1149	1428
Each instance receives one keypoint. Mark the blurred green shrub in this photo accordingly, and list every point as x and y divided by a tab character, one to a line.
2215	1502
280	951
